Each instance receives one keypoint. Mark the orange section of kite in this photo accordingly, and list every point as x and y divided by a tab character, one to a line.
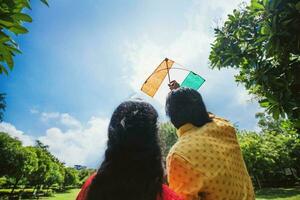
154	81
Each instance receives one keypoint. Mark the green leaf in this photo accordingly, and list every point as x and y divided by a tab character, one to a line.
264	103
22	17
3	70
276	114
255	5
9	60
14	49
6	23
265	2
45	2
4	37
18	30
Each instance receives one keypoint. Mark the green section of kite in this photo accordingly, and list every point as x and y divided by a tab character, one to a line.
193	81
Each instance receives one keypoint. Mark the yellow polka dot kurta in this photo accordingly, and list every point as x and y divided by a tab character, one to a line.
207	163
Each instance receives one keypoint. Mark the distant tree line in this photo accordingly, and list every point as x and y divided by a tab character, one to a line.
34	167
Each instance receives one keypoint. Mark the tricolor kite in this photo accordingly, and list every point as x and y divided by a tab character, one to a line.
168	68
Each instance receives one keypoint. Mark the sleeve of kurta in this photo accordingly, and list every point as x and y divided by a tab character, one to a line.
183	178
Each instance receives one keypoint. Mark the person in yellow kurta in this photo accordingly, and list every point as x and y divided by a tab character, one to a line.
206	162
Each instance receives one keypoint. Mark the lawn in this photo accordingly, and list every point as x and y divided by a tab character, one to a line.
264	194
68	195
278	194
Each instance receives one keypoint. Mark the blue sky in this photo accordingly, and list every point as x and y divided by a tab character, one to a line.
82	58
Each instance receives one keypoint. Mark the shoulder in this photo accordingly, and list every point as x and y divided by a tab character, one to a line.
216	118
222	122
84	189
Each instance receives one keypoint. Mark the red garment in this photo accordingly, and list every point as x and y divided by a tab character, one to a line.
167	193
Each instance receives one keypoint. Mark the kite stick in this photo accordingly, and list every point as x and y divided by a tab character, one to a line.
168	70
179	69
172	69
156	71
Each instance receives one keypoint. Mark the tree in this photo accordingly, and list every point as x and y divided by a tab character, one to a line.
12	17
9	148
26	163
50	170
262	41
56	175
167	137
268	153
83	175
280	126
16	161
42	173
285	128
71	177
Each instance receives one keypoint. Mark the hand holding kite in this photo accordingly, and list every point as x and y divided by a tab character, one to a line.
173	85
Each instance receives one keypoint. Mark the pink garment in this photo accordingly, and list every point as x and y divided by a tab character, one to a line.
167	193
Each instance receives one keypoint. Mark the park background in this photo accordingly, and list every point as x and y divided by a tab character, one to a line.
81	59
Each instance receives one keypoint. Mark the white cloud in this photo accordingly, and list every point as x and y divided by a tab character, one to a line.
45	116
80	143
64	119
14	132
191	48
69	121
83	146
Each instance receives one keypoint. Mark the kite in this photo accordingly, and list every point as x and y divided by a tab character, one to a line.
155	80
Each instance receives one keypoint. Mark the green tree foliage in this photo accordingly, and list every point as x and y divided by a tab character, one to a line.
267	152
83	174
56	175
33	166
283	128
12	17
262	41
16	161
270	152
167	137
9	152
40	176
26	163
71	177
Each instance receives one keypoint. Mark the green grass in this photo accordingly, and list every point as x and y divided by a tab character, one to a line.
278	194
68	195
264	194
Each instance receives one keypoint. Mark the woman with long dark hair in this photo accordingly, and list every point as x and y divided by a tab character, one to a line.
132	167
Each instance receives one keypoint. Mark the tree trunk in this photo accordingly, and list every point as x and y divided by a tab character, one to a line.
15	185
37	192
258	182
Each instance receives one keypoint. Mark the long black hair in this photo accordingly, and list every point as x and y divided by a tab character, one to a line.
185	105
132	167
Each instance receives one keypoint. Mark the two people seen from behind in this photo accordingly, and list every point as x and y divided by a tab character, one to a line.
205	163
132	168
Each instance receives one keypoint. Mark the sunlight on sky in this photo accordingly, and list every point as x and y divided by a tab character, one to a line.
82	58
